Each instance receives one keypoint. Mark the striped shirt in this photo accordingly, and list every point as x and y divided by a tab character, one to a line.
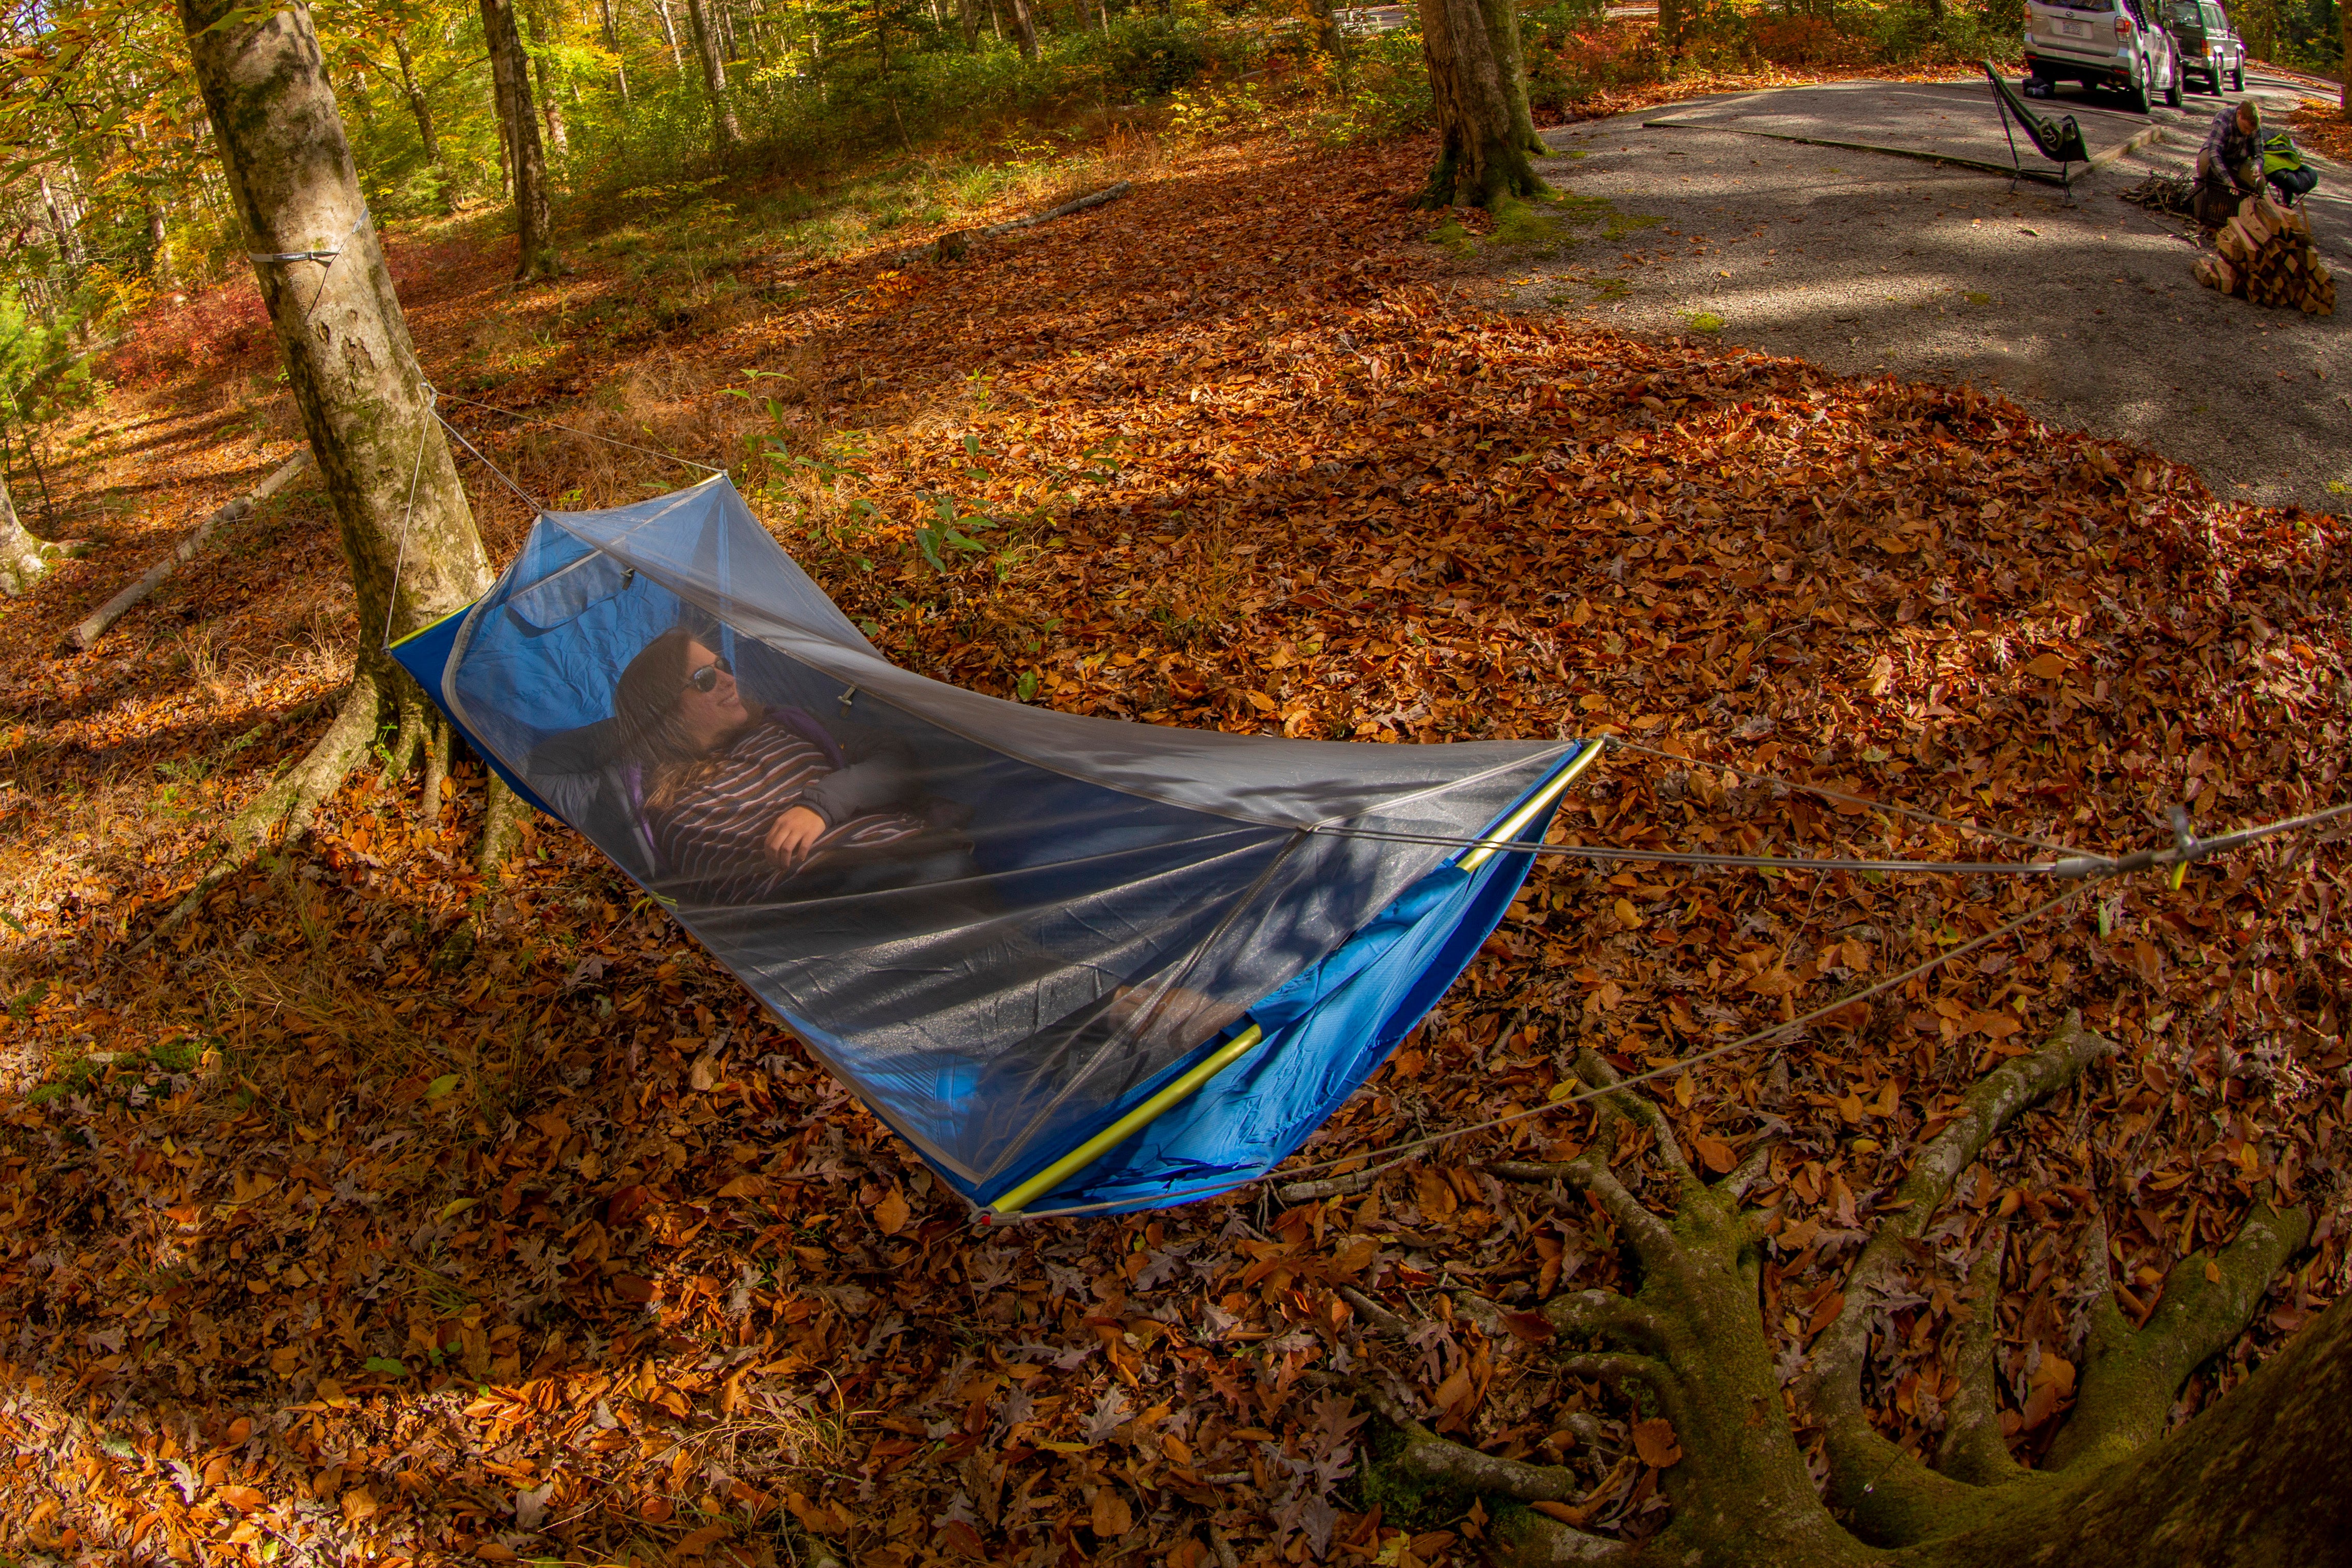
714	835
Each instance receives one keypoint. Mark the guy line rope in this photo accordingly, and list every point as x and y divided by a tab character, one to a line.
2089	871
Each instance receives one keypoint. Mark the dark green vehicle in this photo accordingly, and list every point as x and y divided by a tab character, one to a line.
2210	47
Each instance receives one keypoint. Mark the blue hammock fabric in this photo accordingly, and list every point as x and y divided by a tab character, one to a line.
1053	917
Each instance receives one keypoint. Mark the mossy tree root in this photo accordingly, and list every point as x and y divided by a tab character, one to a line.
1891	1495
1688	1344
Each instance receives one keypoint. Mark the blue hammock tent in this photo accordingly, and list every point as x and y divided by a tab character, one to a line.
1097	965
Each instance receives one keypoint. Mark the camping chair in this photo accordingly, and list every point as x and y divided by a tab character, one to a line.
2059	139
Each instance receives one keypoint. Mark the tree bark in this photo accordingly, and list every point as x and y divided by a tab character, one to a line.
970	19
1327	29
61	225
723	127
670	31
23	559
510	79
1480	85
407	532
159	244
1024	30
613	47
422	111
550	110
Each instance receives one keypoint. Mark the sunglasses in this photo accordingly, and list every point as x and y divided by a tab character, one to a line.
705	680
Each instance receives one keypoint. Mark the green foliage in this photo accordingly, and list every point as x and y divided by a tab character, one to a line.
1388	94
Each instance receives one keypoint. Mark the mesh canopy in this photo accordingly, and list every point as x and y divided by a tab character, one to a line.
1017	923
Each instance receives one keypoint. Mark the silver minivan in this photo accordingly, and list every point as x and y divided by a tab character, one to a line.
2119	45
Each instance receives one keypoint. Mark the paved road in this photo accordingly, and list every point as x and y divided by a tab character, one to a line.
1863	262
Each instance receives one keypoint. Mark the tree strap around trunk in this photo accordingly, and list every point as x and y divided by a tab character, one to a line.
86	634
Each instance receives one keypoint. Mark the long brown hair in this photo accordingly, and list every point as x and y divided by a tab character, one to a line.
653	734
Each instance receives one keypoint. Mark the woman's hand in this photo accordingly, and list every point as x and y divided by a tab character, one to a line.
795	833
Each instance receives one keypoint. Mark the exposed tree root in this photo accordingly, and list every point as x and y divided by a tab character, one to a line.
1688	1344
436	771
415	710
287	808
502	822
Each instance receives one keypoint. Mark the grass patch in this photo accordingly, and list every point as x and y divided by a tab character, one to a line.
1703	320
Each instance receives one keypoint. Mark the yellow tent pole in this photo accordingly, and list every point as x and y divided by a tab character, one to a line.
423	629
1249	1039
1537	802
1127	1126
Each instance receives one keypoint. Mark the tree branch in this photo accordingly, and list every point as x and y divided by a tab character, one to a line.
2130	1379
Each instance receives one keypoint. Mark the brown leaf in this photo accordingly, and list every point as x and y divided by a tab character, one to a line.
2049	667
1714	1153
1112	1518
1453	1391
1654	1440
703	1540
244	1499
360	1505
890	1214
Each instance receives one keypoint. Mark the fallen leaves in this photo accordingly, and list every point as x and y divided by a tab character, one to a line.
547	1150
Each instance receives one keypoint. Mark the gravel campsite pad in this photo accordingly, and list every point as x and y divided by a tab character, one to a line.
1868	261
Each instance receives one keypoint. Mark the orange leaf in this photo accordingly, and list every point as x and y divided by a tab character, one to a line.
244	1499
2049	667
1714	1153
703	1540
1654	1440
890	1214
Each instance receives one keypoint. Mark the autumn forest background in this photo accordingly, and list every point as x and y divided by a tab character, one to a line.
379	1198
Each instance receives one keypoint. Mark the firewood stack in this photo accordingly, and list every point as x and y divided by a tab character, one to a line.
2266	255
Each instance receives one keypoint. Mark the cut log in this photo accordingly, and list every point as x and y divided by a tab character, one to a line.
86	634
2265	257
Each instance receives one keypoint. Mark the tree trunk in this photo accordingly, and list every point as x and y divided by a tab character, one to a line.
2344	61
969	18
1327	29
509	77
61	225
714	76
1476	77
23	559
159	244
407	532
549	110
1024	30
670	31
423	112
613	47
1671	24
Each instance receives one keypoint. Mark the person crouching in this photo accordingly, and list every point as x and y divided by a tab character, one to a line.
2230	164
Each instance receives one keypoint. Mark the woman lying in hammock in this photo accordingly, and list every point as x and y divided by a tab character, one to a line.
750	806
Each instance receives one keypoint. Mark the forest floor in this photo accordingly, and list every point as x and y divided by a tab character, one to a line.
384	1212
